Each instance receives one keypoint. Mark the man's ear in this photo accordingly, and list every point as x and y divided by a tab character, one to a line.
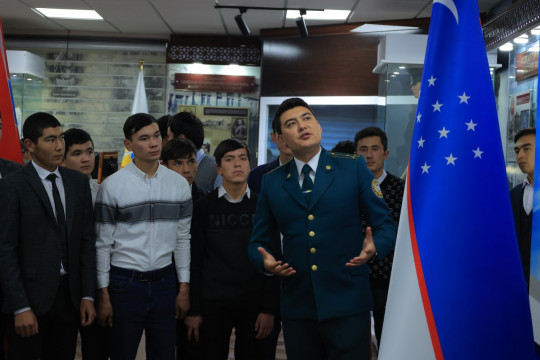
218	168
386	153
127	144
30	146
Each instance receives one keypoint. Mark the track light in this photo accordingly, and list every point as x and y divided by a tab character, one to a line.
241	23
301	24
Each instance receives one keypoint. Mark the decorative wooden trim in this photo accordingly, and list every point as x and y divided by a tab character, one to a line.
519	18
215	50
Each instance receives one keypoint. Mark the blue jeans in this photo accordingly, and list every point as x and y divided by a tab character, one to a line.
143	301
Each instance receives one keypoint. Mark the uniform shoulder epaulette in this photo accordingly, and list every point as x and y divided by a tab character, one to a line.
343	155
274	169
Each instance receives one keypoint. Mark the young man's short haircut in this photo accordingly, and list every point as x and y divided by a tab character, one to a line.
76	137
177	149
344	146
163	123
35	124
188	124
227	146
369	132
287	105
135	123
523	132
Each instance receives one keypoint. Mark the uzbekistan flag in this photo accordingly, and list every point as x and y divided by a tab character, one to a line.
457	289
534	278
140	105
10	145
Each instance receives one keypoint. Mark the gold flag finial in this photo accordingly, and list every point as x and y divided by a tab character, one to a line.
141	63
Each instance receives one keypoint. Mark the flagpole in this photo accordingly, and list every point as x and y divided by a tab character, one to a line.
140	105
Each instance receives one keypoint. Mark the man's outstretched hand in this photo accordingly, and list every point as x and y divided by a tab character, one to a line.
275	267
368	250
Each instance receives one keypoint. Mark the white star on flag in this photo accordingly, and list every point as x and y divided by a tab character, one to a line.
425	168
437	106
418	117
431	81
478	153
444	133
471	125
421	142
463	98
451	159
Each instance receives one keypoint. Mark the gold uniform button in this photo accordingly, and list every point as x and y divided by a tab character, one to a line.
314	268
288	176
311	217
312	233
328	167
313	250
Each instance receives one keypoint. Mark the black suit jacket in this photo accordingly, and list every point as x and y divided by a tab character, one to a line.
255	175
30	248
516	197
7	166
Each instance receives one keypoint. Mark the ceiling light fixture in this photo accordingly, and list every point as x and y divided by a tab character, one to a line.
241	23
72	14
244	28
326	14
301	25
507	47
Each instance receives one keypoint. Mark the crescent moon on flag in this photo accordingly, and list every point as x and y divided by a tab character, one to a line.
450	5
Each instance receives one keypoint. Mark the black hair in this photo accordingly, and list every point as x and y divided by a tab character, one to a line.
163	123
369	132
287	105
523	132
177	149
135	123
76	137
344	146
35	124
189	125
227	146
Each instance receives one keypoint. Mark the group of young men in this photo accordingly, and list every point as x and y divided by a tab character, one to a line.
157	248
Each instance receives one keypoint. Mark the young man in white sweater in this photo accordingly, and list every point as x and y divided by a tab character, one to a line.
143	216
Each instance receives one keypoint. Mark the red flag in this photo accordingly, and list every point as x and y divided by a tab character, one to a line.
10	146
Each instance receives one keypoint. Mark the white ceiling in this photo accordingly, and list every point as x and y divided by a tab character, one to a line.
161	18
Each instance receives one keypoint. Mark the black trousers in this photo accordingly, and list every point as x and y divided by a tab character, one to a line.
57	334
345	338
380	294
219	318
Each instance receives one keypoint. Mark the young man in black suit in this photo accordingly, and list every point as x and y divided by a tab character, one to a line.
47	249
521	195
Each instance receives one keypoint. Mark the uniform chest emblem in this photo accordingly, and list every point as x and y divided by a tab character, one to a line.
376	188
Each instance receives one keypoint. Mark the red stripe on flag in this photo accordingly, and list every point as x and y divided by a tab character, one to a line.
421	280
10	146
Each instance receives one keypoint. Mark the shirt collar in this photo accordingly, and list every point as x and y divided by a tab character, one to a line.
313	163
526	182
200	155
141	174
43	173
382	177
223	193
